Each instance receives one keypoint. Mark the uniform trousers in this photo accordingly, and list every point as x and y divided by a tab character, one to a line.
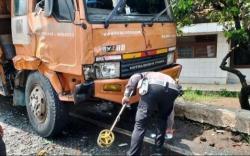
160	98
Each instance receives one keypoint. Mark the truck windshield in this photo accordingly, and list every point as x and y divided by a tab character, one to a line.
133	11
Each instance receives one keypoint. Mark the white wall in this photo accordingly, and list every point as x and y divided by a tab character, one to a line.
205	70
234	79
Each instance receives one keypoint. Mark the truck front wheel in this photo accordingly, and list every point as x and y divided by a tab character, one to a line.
245	98
46	113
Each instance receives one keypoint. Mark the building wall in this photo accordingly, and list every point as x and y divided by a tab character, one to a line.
206	70
232	79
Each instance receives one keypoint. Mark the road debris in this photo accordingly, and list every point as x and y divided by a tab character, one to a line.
84	141
220	131
123	144
20	138
212	144
236	138
153	135
237	144
203	139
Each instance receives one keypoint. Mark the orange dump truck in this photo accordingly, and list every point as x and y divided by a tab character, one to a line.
71	51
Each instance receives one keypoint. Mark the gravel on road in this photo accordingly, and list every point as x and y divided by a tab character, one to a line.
79	138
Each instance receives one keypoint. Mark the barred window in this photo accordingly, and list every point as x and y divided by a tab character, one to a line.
204	46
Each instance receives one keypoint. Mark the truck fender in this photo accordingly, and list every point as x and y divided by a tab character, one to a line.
22	62
31	63
52	76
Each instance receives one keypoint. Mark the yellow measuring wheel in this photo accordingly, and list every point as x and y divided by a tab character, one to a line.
107	137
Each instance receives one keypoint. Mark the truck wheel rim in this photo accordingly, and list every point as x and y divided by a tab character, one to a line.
38	104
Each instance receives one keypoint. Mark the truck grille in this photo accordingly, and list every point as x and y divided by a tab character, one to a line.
152	63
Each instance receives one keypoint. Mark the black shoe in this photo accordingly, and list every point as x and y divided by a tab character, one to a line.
157	152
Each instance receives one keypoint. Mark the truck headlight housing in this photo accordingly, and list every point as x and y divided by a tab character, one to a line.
170	58
107	70
89	72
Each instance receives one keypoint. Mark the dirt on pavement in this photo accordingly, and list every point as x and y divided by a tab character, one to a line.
80	138
206	139
226	102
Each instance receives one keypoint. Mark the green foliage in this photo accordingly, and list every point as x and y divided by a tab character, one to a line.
200	96
225	93
197	96
234	15
246	138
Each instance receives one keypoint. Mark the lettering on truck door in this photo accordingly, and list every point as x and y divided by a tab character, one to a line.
56	35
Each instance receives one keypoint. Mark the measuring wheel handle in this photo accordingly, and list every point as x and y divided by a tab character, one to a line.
107	137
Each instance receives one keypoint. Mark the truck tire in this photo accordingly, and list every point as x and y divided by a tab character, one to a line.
245	98
46	114
2	147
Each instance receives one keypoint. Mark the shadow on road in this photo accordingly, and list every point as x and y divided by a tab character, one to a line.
81	137
78	137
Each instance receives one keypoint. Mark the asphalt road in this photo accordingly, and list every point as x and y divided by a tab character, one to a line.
79	138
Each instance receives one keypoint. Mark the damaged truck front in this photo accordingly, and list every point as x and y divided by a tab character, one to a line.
57	51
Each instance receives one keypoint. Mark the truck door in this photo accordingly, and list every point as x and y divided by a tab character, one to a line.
56	40
19	22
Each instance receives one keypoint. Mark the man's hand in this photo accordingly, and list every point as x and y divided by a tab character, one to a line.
1	131
125	100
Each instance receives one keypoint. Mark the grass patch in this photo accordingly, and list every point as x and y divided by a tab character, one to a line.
197	96
225	93
200	96
246	138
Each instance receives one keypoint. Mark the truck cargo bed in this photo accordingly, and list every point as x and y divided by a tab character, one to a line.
5	24
5	20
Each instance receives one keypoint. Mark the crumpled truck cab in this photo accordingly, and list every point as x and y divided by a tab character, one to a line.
57	51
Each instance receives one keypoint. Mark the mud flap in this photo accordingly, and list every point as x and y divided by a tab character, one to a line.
3	89
83	92
19	97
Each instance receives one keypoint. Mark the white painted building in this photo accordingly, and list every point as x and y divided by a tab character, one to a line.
201	50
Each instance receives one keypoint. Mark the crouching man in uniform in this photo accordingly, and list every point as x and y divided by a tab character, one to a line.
2	144
156	90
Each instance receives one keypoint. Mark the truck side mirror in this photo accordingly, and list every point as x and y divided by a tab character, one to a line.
48	7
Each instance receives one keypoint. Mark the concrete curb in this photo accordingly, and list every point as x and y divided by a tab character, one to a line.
236	120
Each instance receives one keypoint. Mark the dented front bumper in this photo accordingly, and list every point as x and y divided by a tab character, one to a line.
113	89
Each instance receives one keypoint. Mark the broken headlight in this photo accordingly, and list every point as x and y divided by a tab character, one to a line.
170	58
89	72
107	70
